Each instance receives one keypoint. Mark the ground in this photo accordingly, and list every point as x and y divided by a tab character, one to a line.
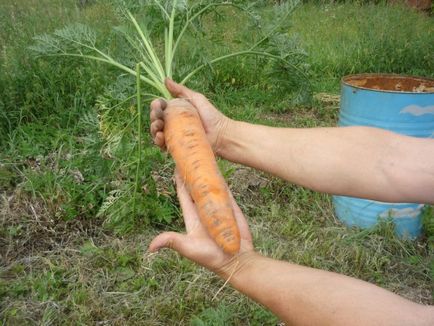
63	262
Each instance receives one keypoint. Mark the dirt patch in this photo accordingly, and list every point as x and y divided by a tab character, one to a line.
415	294
27	228
327	99
285	118
246	184
244	179
393	83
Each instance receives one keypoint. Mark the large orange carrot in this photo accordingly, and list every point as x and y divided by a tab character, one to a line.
195	161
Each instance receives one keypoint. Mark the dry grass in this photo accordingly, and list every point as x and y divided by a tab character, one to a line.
60	265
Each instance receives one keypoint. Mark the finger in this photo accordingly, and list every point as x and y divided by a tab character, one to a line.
172	240
189	211
158	103
243	226
156	126
163	104
157	114
199	101
178	90
159	140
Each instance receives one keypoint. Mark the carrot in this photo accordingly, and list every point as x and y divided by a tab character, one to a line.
195	161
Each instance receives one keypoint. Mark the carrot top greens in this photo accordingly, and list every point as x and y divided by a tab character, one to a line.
169	21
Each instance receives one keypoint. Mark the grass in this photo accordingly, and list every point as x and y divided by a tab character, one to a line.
67	167
352	38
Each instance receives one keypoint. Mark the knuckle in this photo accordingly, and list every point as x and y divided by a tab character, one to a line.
155	102
199	96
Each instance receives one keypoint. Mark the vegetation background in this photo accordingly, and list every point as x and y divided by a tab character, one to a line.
71	250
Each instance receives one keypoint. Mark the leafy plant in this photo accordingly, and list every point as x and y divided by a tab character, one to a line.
159	60
165	39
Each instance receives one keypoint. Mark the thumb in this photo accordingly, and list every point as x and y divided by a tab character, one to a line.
172	240
178	90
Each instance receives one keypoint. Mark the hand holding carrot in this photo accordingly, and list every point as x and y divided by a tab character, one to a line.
196	244
214	122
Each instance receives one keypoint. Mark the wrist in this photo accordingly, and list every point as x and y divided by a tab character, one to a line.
226	140
238	266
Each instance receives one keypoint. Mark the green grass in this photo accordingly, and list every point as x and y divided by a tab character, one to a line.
72	252
349	38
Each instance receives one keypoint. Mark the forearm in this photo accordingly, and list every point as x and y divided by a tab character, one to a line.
353	161
305	296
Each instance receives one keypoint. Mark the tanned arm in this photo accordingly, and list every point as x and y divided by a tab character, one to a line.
353	161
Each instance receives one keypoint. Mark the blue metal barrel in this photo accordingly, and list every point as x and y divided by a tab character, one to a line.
398	103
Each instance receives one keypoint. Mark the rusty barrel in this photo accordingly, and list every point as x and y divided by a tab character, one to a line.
401	104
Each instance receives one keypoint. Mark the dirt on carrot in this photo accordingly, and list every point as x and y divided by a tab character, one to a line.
187	143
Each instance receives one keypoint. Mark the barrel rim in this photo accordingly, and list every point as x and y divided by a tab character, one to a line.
344	82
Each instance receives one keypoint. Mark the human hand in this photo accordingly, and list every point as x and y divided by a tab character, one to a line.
215	123
196	244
